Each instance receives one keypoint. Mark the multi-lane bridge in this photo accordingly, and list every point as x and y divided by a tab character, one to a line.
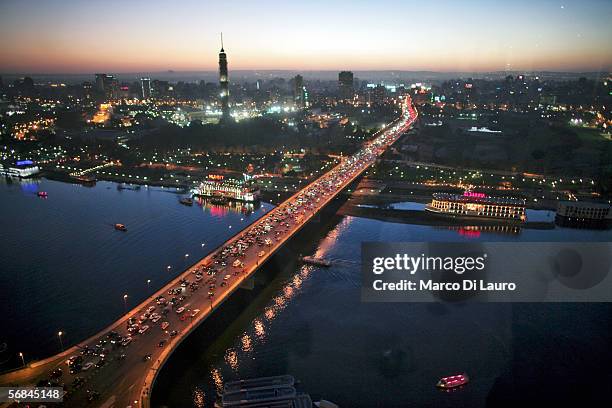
128	372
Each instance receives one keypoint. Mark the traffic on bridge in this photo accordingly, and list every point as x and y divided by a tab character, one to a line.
118	366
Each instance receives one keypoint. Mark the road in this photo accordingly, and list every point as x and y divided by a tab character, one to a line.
125	379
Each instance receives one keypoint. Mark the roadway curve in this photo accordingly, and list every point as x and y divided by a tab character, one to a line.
128	382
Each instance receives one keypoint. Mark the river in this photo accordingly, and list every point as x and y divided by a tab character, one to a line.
64	267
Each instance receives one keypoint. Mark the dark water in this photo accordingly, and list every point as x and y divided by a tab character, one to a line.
310	322
64	267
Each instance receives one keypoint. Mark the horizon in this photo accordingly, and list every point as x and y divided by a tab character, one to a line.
77	37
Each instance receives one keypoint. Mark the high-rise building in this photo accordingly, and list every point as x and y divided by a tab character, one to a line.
107	85
300	95
223	84
145	86
345	84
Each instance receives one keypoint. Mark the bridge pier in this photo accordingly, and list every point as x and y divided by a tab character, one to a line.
248	284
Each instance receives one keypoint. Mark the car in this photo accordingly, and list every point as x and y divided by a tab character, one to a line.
165	325
143	329
173	333
126	341
78	381
195	312
100	363
211	294
162	343
57	373
146	357
74	360
261	253
87	366
92	395
180	310
122	356
150	309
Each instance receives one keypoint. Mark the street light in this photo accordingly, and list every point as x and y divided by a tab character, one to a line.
125	302
148	283
59	335
22	359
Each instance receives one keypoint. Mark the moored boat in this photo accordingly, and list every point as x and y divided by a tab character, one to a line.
120	227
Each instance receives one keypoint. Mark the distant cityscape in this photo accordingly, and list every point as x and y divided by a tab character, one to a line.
146	204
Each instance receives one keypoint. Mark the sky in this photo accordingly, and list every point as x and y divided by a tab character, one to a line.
82	36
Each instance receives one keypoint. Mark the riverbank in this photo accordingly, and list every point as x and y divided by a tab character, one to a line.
419	217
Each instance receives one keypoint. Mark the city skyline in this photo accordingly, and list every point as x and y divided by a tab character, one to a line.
72	36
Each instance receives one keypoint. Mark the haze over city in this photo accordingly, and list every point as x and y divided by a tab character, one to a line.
73	36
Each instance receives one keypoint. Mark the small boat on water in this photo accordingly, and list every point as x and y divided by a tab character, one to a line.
42	194
120	227
453	381
186	201
316	261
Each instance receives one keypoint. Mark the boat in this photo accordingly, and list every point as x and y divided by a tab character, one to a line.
274	381
186	201
453	381
42	194
473	204
120	227
316	261
263	396
86	180
277	391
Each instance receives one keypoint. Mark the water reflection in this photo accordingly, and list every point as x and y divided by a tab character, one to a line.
217	380
474	231
231	358
199	398
247	343
222	208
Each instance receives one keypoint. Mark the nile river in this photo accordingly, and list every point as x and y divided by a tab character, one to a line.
64	267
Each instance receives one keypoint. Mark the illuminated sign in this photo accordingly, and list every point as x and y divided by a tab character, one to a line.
216	177
473	194
24	162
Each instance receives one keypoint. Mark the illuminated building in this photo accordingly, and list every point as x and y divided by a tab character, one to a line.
107	85
584	215
472	204
223	83
300	95
345	84
145	86
22	169
217	185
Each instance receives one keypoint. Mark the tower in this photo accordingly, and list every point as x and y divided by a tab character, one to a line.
145	85
345	84
223	84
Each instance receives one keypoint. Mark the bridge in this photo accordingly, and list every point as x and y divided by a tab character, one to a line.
129	370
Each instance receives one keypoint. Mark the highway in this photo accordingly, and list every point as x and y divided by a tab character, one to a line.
128	371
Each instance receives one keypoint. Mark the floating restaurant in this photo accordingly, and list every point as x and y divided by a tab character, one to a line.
217	185
474	204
